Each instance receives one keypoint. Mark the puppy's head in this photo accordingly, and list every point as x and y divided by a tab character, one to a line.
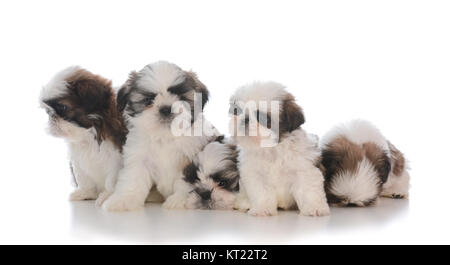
262	113
160	92
214	177
80	103
354	173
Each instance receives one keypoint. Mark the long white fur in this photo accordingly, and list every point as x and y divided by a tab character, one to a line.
152	155
284	175
95	167
57	86
358	186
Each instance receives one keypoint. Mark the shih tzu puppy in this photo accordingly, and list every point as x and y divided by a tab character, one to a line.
360	165
213	177
277	159
82	109
163	106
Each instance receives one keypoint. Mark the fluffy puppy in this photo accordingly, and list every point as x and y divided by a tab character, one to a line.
82	109
277	158
213	177
163	107
360	165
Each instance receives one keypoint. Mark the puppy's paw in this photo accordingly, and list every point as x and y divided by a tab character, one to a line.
101	198
395	195
83	194
117	203
312	210
262	212
241	204
175	202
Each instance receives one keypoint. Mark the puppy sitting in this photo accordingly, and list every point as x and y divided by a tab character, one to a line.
277	159
360	165
163	107
82	109
213	178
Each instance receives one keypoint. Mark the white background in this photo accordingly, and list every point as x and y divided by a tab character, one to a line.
385	61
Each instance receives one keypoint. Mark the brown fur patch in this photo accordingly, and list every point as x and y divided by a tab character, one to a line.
91	102
124	92
397	159
341	154
193	81
291	116
379	159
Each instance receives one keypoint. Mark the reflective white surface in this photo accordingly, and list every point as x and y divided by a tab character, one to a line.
45	221
386	61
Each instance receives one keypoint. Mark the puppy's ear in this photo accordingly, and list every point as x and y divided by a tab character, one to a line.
380	160
199	87
91	92
291	116
384	167
397	160
190	173
123	95
329	162
99	127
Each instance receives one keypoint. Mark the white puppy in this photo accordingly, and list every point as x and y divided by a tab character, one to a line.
82	109
360	165
277	158
163	105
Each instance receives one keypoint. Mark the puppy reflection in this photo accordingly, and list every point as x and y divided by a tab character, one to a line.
213	177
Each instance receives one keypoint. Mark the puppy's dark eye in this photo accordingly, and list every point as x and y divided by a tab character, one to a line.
60	109
148	100
263	119
234	110
217	178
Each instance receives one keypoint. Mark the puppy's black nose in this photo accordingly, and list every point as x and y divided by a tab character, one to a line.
165	111
205	195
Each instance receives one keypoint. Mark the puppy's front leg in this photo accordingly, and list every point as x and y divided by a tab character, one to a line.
86	189
241	202
179	197
110	184
133	185
263	201
309	193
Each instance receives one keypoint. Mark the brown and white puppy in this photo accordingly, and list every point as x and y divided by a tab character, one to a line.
277	158
360	165
82	109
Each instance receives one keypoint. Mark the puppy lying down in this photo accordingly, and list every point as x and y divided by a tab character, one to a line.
212	178
360	165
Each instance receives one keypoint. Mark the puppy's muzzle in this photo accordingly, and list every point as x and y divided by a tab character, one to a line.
205	195
165	111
